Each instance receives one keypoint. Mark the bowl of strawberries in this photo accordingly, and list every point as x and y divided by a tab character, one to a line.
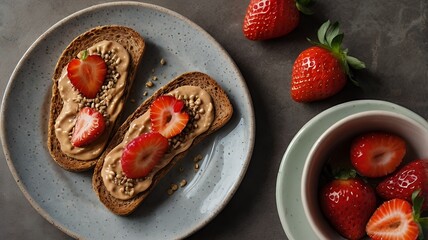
367	176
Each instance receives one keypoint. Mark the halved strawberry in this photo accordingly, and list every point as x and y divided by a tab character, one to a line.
376	154
87	74
405	181
393	220
90	124
167	116
142	154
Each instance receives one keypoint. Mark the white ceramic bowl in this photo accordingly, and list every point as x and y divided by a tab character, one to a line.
340	134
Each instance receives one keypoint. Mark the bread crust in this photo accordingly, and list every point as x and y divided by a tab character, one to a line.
223	111
131	41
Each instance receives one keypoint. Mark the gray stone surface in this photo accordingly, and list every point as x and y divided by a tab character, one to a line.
391	37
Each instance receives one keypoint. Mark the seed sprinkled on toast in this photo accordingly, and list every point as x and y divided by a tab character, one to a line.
183	183
197	158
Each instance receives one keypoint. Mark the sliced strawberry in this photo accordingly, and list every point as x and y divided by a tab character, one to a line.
87	74
142	154
377	154
90	124
167	116
393	220
405	181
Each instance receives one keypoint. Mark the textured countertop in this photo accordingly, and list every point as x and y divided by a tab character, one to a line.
391	37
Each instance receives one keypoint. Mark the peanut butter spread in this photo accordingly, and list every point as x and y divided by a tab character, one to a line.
109	100
200	108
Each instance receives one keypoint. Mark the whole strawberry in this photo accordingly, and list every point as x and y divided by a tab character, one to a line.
321	71
266	19
411	177
348	203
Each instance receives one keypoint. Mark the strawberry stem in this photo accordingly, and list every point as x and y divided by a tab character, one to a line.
417	201
330	38
345	174
84	54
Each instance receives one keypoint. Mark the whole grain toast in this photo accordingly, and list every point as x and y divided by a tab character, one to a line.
131	41
223	111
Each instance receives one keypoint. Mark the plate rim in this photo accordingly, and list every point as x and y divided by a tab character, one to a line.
245	91
322	115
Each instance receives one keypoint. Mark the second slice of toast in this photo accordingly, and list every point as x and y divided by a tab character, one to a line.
223	111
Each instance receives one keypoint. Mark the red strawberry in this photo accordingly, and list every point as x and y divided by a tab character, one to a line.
393	220
321	71
376	154
348	204
167	116
87	74
90	124
266	19
405	181
142	154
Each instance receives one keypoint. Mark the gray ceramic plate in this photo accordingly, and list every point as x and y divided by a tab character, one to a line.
66	199
288	185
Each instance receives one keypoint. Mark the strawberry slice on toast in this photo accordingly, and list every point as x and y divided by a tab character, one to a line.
142	154
90	124
167	116
87	74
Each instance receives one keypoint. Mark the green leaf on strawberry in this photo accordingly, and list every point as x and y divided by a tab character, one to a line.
417	209
329	37
355	63
417	203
